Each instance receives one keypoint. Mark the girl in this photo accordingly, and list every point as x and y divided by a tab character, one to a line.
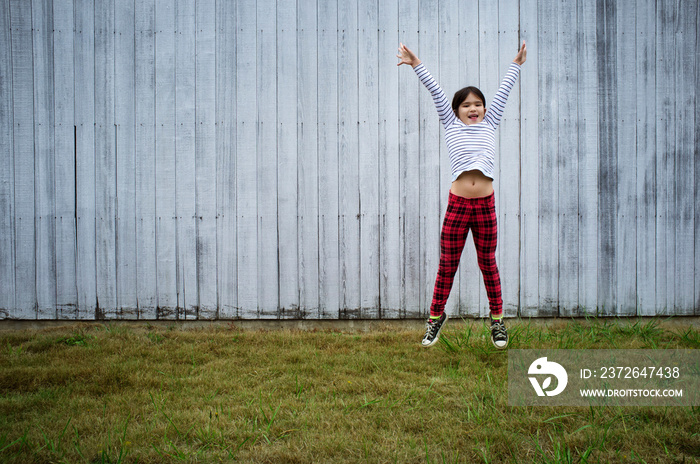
470	135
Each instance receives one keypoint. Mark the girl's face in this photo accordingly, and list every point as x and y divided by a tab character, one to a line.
472	110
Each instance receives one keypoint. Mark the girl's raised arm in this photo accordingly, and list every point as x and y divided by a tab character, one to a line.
447	116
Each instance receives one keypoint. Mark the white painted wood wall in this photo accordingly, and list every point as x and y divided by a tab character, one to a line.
268	159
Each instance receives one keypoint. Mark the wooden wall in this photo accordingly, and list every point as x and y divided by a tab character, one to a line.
268	159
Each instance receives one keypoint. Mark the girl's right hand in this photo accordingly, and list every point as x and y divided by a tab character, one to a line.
407	57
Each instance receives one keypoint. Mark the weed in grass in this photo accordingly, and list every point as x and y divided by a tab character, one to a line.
155	337
78	339
14	351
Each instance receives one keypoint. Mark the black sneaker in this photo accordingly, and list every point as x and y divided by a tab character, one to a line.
499	334
432	330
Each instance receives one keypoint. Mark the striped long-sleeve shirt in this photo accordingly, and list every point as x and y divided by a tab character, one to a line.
470	146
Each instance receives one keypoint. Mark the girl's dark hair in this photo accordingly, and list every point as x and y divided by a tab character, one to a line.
462	95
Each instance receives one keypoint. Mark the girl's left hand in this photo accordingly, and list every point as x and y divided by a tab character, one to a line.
522	54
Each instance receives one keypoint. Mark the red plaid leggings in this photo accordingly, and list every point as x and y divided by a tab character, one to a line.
479	215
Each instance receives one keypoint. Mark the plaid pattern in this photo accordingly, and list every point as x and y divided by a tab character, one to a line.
479	215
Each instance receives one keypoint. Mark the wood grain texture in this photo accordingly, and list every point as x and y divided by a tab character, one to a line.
44	158
64	137
608	199
84	49
125	120
411	92
266	154
567	53
165	183
587	123
145	154
226	86
646	185
548	262
388	155
288	161
348	161
529	163
187	215
368	136
684	179
307	149
7	170
328	200
246	161
666	106
627	214
205	165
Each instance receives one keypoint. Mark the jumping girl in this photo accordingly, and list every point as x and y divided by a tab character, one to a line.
470	135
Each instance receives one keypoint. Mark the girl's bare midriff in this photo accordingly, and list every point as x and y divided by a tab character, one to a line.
472	184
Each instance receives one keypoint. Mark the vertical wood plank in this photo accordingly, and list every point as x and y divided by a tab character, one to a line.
368	105
246	162
645	53
105	159
44	164
287	158
429	160
84	46
205	161
529	163
410	95
697	166
7	170
607	166
587	159
548	263
307	136
567	162
665	107
684	178
186	188
64	136
145	150
626	246
328	163
23	146
124	116
226	32
468	275
268	240
388	133
508	163
451	60
348	167
166	226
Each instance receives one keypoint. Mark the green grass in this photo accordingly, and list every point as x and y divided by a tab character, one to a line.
118	394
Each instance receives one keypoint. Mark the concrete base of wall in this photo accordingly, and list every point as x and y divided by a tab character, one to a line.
344	325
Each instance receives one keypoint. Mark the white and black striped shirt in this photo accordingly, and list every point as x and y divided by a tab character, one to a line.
470	146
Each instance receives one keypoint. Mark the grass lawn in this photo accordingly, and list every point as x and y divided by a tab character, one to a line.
115	393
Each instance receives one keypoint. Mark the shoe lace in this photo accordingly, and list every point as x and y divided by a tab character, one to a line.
430	328
498	329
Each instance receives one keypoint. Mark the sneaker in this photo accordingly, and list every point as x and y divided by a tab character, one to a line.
432	330
499	334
